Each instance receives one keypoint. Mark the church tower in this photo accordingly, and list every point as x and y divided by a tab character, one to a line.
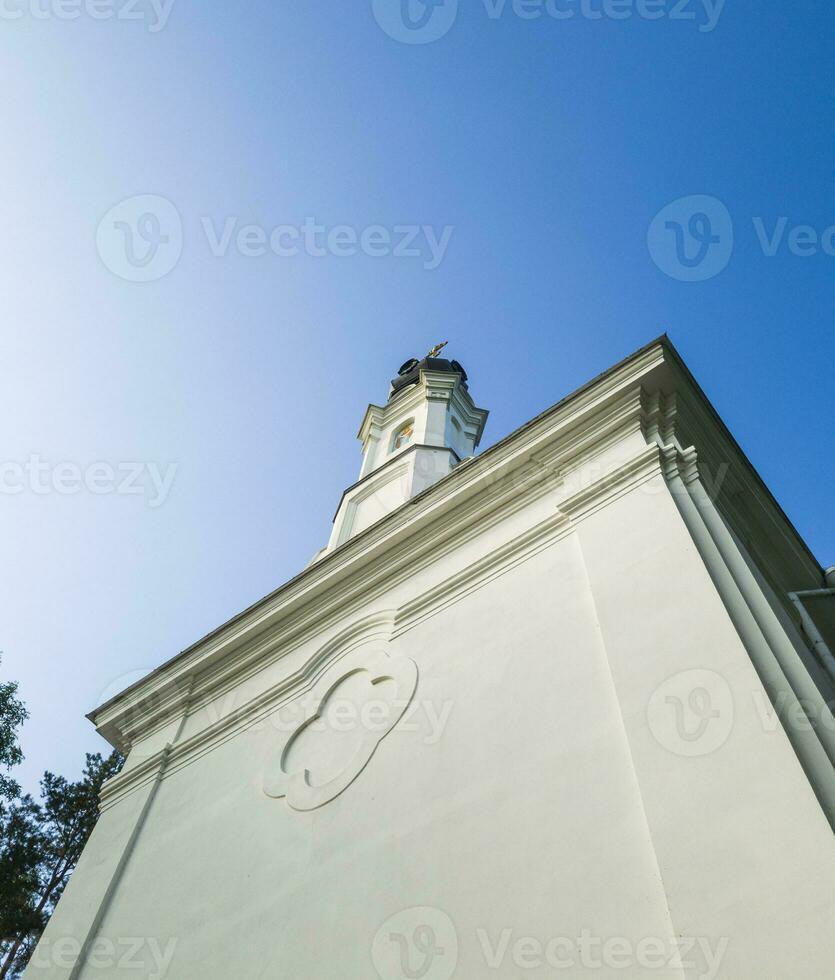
428	426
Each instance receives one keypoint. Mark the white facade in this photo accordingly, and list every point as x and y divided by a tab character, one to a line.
521	727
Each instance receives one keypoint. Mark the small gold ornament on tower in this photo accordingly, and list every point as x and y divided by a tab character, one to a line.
437	350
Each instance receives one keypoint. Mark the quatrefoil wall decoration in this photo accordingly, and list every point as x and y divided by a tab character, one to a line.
343	720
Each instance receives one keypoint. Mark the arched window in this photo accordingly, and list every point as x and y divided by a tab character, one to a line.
403	436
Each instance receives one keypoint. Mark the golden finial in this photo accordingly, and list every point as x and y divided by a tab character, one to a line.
437	350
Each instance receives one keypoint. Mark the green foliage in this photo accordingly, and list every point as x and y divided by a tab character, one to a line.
40	841
12	715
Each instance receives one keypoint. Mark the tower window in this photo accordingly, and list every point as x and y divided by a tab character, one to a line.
403	436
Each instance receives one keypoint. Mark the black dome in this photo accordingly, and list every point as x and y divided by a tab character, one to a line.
409	373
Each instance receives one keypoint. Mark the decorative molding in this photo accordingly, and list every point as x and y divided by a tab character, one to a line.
682	416
399	458
283	780
612	484
479	573
681	464
433	385
373	483
124	783
375	629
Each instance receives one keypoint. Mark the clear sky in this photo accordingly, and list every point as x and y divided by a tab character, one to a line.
499	185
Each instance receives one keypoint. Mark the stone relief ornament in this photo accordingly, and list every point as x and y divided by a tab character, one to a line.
332	732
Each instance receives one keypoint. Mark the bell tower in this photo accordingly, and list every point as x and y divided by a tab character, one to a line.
426	428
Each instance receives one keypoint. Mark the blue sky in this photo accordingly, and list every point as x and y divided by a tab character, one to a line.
525	158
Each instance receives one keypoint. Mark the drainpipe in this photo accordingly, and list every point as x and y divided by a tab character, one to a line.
818	643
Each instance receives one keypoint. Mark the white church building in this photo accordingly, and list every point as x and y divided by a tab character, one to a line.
558	708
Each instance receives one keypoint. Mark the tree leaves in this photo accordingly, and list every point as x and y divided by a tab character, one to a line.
12	715
40	841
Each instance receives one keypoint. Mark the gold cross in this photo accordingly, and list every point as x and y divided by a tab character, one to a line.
437	350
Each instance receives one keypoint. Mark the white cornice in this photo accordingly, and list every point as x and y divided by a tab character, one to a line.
687	416
432	385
